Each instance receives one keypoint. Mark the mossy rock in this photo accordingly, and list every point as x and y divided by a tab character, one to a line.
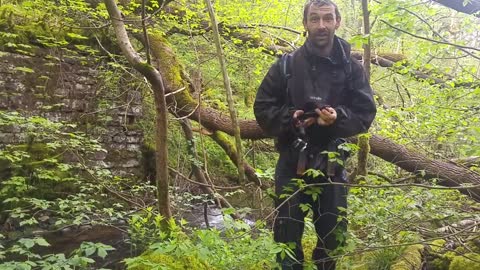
437	245
469	261
411	259
154	260
439	264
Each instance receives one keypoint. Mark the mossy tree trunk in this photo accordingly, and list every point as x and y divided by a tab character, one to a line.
222	139
363	144
156	81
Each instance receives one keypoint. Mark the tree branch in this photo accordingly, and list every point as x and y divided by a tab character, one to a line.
429	39
438	34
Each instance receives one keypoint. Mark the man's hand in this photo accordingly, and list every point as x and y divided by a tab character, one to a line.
326	116
302	123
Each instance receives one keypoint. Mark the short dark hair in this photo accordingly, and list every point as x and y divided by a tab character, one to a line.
320	3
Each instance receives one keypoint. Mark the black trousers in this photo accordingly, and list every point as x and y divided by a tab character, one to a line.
329	221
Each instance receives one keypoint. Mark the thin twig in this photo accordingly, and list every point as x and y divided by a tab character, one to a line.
175	92
202	184
429	39
438	34
189	114
254	25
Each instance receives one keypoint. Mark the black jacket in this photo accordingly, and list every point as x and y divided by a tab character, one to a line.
338	81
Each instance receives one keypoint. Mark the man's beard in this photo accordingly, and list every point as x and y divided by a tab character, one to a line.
321	39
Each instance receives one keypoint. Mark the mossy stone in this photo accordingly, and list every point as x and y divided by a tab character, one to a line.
470	261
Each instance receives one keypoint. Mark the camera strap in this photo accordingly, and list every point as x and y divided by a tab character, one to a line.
301	143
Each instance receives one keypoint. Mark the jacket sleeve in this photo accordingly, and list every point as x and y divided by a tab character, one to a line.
357	114
270	108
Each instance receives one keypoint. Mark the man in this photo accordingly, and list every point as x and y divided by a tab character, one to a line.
308	101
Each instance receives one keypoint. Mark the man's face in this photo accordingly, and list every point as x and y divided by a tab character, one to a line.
321	24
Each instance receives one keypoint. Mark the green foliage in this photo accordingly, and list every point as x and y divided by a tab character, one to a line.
36	163
45	23
42	186
237	248
164	262
466	256
382	259
145	228
29	259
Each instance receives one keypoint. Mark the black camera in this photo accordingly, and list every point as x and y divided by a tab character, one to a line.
309	110
307	115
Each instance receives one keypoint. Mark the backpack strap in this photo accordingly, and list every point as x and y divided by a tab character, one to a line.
285	65
285	68
348	74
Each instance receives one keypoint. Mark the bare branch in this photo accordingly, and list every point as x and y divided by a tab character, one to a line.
429	39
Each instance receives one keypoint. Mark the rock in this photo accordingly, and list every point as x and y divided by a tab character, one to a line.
7	138
131	163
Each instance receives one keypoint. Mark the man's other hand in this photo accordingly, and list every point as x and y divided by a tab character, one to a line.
326	116
302	123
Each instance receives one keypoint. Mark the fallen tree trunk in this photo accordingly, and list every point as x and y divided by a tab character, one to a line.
449	174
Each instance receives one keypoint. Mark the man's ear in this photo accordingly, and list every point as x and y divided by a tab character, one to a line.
337	23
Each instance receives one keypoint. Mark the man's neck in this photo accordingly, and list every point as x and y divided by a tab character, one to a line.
323	52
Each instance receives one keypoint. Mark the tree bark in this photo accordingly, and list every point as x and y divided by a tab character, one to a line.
448	173
362	157
156	81
366	32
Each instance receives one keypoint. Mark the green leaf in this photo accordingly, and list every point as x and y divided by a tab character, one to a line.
101	252
28	243
25	69
90	250
76	36
42	242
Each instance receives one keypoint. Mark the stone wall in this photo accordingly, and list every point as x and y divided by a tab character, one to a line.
70	89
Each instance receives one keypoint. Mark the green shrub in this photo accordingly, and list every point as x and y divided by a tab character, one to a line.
154	260
236	248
